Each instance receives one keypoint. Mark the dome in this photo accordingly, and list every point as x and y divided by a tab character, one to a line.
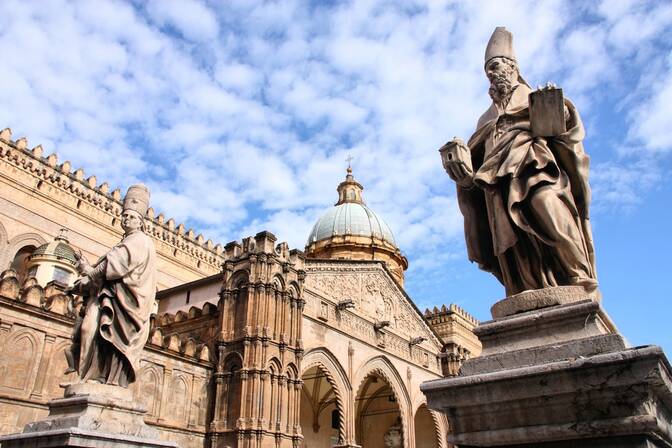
352	231
351	218
58	249
54	261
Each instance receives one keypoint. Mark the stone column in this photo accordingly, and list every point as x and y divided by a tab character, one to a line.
555	372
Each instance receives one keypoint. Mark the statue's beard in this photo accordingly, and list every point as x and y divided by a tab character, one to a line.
501	89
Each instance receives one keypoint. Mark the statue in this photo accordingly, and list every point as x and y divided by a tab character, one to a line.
522	183
393	437
119	294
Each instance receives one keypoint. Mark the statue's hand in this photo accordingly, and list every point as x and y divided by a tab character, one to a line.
81	284
83	265
461	174
456	159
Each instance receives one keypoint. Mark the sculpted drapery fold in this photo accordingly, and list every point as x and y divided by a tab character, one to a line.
119	296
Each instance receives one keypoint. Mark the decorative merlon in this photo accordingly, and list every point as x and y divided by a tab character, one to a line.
165	319
62	176
438	315
54	299
185	346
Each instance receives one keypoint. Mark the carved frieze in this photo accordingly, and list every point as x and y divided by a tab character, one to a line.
375	295
376	298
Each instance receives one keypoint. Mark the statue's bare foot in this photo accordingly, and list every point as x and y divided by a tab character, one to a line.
95	381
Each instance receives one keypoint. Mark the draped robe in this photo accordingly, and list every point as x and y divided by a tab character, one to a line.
115	326
526	217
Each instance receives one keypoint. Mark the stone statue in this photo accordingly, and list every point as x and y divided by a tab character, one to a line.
119	293
524	196
394	437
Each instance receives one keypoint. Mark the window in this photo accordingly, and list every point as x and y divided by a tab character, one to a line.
61	275
32	272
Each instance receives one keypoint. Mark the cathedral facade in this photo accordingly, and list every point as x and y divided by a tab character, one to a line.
253	344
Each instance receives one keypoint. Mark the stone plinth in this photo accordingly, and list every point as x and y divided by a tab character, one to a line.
90	415
559	376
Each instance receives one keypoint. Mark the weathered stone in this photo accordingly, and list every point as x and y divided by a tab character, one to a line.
541	298
558	375
90	415
539	328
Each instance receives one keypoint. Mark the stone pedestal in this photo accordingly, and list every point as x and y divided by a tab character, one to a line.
90	415
559	376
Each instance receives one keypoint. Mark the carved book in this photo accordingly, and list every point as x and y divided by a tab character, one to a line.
547	112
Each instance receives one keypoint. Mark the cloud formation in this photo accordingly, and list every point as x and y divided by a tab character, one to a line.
240	115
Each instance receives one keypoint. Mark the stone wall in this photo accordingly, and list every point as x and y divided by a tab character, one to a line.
40	196
35	326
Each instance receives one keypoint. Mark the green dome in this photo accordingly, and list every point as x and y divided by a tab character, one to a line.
58	248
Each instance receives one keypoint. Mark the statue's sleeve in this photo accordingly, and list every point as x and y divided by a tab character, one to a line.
573	160
124	258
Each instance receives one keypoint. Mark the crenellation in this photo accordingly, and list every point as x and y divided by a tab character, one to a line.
437	315
21	143
6	135
52	160
37	152
172	343
74	190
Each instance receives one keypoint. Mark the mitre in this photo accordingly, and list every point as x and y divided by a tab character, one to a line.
137	199
500	45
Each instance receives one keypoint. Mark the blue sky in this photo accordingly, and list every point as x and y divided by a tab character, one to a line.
239	116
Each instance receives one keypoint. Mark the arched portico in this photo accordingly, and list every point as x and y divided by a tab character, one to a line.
427	428
381	402
325	404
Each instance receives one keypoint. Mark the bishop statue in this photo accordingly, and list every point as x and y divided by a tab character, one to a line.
522	182
119	294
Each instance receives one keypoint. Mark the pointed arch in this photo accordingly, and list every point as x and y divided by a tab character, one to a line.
25	239
291	371
148	388
274	366
278	282
19	248
57	366
437	422
179	397
324	360
295	288
238	279
19	356
383	367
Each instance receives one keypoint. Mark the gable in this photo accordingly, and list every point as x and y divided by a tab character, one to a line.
376	296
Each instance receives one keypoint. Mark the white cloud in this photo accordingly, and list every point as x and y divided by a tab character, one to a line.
194	20
240	117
